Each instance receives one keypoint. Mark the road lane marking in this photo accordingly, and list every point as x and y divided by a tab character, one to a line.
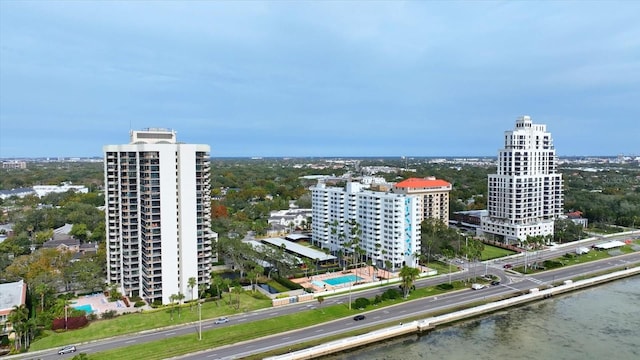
169	334
130	341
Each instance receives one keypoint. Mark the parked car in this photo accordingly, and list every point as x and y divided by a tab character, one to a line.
221	320
67	350
359	317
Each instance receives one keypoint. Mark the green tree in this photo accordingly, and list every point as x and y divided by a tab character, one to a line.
18	318
408	275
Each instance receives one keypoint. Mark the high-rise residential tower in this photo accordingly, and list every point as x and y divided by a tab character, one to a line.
383	225
158	216
526	193
433	197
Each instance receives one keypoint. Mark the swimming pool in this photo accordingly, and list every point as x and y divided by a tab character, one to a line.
87	308
342	280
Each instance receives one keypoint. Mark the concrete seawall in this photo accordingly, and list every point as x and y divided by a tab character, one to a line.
431	322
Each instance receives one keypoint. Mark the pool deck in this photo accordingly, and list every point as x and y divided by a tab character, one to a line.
100	304
366	273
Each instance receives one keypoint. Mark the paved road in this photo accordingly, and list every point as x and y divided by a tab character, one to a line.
510	282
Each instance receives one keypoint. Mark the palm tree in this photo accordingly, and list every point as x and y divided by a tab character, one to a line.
41	289
387	265
172	298
18	317
227	284
218	282
191	284
237	290
30	327
408	275
180	296
320	301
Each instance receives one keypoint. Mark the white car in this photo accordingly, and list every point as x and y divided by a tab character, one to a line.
67	350
221	320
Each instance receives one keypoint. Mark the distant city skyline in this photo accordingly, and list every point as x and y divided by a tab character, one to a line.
318	79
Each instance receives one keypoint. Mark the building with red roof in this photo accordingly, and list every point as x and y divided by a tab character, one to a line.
433	196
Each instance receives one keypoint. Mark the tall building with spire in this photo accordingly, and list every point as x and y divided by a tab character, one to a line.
526	193
158	215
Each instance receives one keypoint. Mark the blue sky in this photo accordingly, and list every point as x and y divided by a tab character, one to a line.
297	78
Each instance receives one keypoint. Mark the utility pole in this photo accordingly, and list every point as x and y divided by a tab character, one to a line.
199	320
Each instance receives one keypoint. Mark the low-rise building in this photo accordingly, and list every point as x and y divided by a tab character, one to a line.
11	294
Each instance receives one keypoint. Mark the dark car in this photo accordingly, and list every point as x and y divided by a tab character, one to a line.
67	350
495	282
507	266
358	317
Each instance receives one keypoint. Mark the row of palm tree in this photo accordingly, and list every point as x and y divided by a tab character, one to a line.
23	326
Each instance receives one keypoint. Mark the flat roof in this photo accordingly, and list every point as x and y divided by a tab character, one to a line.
297	236
12	294
610	245
299	249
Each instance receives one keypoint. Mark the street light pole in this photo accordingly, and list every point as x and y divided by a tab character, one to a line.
199	320
350	283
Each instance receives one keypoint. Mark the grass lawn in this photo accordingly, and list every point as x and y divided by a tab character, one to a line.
494	252
276	285
158	318
578	259
236	333
441	267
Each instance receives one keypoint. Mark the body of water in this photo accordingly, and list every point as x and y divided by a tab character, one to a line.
597	323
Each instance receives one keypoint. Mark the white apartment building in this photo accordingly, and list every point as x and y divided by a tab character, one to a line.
388	223
526	193
158	213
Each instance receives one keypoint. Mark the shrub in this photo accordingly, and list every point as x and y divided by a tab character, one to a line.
551	264
391	294
109	314
445	286
139	303
361	303
288	283
74	322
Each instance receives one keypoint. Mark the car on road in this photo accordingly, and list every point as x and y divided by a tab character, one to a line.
221	320
477	286
507	266
359	317
495	282
67	350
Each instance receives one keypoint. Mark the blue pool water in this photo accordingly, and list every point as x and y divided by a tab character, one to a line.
342	280
86	308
